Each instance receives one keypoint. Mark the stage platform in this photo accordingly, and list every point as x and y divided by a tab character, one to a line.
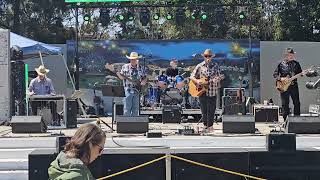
16	148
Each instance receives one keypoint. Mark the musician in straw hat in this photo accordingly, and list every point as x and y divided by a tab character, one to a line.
133	76
42	85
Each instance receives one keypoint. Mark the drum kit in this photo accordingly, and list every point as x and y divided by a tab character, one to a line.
169	91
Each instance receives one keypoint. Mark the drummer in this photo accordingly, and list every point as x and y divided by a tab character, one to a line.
173	70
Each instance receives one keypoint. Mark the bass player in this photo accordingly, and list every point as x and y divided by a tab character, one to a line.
286	69
209	71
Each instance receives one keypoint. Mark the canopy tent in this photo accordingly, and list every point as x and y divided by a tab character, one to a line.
32	48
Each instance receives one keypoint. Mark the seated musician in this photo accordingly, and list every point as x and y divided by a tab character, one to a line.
173	70
42	85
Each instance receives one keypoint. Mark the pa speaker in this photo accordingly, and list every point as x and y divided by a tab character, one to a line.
72	107
281	142
303	124
238	124
28	124
39	162
132	124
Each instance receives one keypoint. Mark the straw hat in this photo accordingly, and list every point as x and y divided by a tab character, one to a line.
133	55
41	70
208	52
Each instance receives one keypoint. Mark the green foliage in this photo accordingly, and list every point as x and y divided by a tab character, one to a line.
52	21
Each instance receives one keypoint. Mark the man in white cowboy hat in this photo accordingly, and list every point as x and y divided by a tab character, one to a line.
42	85
135	72
210	70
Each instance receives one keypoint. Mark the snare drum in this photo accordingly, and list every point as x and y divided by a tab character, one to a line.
180	82
162	81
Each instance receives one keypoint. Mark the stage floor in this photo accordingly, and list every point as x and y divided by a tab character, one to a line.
170	138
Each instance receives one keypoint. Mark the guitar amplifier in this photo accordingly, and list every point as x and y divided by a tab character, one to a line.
231	106
171	114
266	113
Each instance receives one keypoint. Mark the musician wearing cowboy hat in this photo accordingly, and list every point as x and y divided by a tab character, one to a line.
42	85
211	71
135	72
289	67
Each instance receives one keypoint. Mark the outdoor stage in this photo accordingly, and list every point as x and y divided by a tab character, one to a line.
244	153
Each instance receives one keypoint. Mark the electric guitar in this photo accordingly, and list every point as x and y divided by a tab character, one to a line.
196	90
283	85
136	83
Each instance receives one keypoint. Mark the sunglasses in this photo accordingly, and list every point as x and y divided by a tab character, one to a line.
100	148
207	56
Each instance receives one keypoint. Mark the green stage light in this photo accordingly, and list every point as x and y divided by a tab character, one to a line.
195	14
169	17
130	16
86	17
156	16
242	15
204	16
120	17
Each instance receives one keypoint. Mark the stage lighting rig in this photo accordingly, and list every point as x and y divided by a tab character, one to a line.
130	16
169	16
195	14
156	16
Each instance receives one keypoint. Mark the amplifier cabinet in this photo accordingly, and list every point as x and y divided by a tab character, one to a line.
266	113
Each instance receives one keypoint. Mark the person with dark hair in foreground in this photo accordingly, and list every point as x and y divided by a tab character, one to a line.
83	148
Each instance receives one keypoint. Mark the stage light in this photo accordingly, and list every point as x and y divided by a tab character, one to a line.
169	16
180	16
242	15
156	16
120	17
86	17
104	17
144	16
130	16
204	16
194	14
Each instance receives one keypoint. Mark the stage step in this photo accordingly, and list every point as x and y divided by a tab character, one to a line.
28	142
14	175
15	153
13	164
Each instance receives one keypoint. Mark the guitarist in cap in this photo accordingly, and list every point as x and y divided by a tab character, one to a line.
286	69
136	73
209	71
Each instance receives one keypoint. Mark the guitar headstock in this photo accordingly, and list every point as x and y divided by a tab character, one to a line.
109	67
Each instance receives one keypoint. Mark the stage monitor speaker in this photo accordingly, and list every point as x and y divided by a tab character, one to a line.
238	124
61	141
266	113
171	114
72	108
39	162
303	125
281	142
132	124
28	124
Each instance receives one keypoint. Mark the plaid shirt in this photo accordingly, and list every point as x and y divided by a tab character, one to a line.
135	73
208	70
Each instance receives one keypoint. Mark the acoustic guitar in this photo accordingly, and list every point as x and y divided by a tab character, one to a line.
196	90
283	85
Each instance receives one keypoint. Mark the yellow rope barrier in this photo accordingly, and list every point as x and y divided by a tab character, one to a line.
216	168
133	168
182	159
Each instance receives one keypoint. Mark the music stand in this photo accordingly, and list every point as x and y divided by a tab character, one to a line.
112	91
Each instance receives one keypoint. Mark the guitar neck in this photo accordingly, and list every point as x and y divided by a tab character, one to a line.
295	76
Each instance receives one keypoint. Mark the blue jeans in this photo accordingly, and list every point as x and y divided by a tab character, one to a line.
131	102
